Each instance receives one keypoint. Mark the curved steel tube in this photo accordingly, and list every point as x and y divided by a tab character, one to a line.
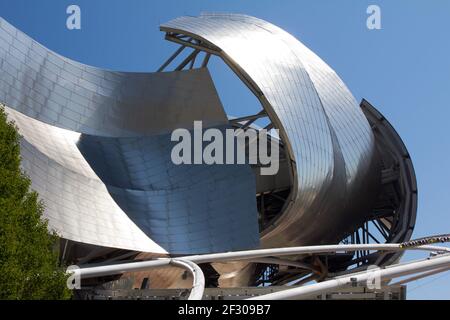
90	272
438	263
198	283
251	254
190	263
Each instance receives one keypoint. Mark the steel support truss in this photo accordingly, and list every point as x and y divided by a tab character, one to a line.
391	221
440	263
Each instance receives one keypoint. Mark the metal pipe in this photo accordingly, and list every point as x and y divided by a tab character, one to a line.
284	262
198	283
245	255
383	274
420	276
106	270
190	262
97	271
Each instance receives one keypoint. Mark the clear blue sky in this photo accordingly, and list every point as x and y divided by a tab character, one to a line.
403	69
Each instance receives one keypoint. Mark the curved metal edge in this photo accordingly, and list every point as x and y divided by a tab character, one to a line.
68	94
248	81
293	202
407	175
98	271
198	283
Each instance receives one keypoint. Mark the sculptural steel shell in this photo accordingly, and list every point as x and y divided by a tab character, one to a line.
132	195
93	145
329	142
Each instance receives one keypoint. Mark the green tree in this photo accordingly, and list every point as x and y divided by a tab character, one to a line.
29	266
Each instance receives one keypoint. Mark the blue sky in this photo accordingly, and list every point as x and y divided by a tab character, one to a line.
403	69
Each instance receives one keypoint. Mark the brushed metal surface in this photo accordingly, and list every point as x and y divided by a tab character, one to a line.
328	138
96	145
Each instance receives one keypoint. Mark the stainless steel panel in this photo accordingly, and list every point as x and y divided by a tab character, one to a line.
78	205
186	208
328	139
70	95
96	145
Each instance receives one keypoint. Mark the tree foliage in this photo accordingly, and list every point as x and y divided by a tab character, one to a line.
29	266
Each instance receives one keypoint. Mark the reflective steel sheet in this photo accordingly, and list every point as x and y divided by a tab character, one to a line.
329	140
96	145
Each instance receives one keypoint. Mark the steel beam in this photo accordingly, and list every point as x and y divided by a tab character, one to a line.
97	271
206	60
253	117
187	60
172	57
192	45
388	273
420	276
